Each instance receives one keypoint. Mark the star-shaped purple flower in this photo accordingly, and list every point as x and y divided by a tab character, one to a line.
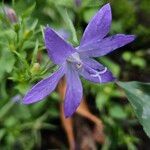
75	62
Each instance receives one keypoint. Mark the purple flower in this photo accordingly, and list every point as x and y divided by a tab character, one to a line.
75	62
63	34
78	3
11	14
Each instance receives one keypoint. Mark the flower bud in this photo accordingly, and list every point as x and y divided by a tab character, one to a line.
27	34
77	3
11	14
35	68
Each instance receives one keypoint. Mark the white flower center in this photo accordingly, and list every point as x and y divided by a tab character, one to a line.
75	58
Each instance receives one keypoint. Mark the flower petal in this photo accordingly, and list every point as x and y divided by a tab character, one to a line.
99	26
105	46
74	91
58	49
89	71
44	87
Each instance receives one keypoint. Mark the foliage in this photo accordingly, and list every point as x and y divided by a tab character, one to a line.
139	95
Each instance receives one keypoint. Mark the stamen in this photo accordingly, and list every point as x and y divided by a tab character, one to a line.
79	65
98	73
100	79
74	58
103	71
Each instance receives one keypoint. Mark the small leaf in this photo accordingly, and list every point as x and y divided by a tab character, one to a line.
127	56
28	11
6	109
8	57
88	14
69	24
137	61
2	133
34	25
138	95
101	100
117	112
34	57
72	28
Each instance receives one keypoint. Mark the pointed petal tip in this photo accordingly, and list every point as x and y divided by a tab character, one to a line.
46	28
111	79
106	6
43	88
133	37
108	77
69	112
130	38
99	25
107	45
47	25
57	48
27	101
114	79
74	92
68	116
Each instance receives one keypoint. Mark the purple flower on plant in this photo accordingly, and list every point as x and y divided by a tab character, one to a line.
78	2
63	33
11	14
75	62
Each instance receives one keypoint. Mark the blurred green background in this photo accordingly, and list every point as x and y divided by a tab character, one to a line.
24	61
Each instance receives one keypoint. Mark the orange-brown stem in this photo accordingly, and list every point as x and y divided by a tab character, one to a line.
82	110
68	126
66	122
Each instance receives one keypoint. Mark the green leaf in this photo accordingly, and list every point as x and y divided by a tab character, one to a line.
72	28
28	11
8	57
5	109
101	100
117	112
138	95
34	57
137	61
2	133
88	14
127	56
69	24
